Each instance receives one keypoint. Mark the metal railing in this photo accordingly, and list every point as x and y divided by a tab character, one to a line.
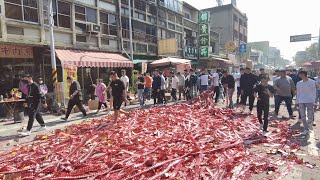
139	36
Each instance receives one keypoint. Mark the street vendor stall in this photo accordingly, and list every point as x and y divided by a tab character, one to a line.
174	64
215	63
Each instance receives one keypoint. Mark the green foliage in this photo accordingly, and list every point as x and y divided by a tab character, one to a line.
312	52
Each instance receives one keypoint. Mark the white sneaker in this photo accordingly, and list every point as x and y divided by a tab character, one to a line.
264	133
279	116
305	132
261	126
42	128
26	133
251	113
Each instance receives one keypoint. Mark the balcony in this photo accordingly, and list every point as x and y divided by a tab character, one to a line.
236	26
190	24
139	36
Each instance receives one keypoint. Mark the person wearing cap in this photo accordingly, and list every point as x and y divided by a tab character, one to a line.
175	86
76	98
34	101
285	89
228	82
306	97
263	92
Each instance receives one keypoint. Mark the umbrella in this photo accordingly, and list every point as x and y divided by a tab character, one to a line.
169	61
307	64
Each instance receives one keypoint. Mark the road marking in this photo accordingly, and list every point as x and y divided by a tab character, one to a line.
312	147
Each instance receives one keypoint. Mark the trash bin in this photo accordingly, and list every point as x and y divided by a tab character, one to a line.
18	115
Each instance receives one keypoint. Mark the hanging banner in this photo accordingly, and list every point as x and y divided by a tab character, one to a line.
144	67
68	71
13	51
204	34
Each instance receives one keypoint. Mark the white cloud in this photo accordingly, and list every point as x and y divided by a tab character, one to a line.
276	20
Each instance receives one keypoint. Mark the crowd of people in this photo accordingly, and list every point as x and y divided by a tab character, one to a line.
285	85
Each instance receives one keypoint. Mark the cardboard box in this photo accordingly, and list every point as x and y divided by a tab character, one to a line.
93	104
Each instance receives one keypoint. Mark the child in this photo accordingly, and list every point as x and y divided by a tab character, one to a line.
263	92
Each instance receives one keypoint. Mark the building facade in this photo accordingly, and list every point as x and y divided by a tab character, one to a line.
230	23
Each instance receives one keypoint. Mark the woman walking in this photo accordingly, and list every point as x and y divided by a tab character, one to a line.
101	94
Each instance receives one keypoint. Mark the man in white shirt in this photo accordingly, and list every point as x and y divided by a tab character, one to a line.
306	96
181	85
204	81
237	77
124	78
318	88
215	83
175	85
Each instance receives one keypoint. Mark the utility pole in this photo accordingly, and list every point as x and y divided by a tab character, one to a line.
130	30
319	46
52	48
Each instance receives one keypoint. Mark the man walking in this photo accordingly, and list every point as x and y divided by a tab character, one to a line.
118	90
75	98
215	84
182	79
306	95
34	99
124	78
236	77
148	85
140	84
285	89
175	85
247	84
156	87
229	84
317	79
263	92
204	81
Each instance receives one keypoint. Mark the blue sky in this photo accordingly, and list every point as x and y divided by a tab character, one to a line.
276	20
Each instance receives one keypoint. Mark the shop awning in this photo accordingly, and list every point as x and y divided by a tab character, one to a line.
82	58
170	61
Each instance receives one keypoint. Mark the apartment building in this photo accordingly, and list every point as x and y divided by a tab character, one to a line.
230	23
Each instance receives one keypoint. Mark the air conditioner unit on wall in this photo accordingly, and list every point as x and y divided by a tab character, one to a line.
93	28
152	1
194	34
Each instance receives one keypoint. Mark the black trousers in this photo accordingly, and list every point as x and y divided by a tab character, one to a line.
174	94
78	103
163	97
187	94
217	92
100	105
244	98
156	96
34	112
263	108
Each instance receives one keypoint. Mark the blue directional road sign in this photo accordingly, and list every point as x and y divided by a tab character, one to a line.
243	48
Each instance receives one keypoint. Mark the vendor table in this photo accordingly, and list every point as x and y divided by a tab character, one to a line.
11	105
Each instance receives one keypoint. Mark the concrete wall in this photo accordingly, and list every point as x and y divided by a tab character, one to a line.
222	23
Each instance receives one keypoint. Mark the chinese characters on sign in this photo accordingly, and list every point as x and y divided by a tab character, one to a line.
204	31
190	52
12	51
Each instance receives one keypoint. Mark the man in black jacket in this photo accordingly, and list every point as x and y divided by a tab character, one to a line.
34	100
156	87
247	84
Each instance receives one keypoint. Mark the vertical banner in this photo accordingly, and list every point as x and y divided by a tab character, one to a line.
144	67
204	34
68	71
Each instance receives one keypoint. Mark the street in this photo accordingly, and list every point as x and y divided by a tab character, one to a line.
309	150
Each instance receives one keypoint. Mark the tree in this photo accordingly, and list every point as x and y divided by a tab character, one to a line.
312	52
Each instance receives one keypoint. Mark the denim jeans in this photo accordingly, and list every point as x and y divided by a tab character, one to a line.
193	92
303	108
147	93
203	88
287	100
141	96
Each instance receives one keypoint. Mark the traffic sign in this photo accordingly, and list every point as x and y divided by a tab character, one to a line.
243	48
298	38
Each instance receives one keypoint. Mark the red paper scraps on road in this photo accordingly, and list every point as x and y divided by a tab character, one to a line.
196	141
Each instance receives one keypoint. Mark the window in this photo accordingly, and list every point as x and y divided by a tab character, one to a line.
171	26
125	2
125	11
171	17
179	20
152	49
152	9
179	40
245	24
61	13
235	18
108	24
186	15
24	10
80	38
139	16
151	30
142	48
85	14
151	19
140	5
162	23
179	28
170	35
105	41
240	22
